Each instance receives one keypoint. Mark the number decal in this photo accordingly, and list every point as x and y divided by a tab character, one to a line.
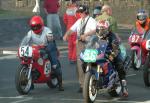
90	55
25	51
135	38
47	68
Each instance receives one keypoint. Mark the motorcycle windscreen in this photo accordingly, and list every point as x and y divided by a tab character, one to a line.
92	54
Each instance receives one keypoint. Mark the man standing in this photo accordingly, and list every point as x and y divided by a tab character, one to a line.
107	15
69	18
85	28
51	9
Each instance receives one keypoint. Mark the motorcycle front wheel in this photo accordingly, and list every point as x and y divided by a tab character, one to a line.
146	72
136	63
23	84
89	88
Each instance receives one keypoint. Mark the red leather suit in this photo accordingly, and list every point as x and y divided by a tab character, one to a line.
69	18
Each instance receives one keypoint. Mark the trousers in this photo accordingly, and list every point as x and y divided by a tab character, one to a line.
80	73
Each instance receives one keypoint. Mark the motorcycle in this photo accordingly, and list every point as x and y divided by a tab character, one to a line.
135	41
100	75
146	52
35	67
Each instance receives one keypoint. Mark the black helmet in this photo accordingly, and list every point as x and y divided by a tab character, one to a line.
83	8
141	15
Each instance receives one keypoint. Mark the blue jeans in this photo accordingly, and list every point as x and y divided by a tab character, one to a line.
53	56
53	23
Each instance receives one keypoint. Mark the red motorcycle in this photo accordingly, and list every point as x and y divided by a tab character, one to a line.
35	67
146	52
135	41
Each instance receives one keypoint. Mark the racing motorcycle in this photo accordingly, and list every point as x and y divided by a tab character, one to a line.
135	41
146	52
100	75
35	67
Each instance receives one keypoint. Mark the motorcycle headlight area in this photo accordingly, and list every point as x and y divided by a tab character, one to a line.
40	61
148	45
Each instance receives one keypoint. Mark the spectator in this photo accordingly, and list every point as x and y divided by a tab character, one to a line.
70	18
97	11
85	28
51	9
107	15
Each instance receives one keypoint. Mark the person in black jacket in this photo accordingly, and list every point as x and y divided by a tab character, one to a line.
104	33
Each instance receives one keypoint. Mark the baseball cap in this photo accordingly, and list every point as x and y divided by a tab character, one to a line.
83	8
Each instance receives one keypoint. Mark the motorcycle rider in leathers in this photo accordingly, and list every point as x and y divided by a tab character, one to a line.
41	35
104	33
142	22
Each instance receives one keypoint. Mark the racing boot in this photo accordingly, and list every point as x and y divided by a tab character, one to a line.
124	88
60	88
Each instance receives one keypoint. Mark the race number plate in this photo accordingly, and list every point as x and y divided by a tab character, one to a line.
135	38
90	55
25	51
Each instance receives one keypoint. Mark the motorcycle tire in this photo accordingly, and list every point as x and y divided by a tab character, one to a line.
89	95
53	82
135	65
113	93
146	72
23	85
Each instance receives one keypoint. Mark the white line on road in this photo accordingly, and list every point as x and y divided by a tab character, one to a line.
17	97
130	75
24	100
9	52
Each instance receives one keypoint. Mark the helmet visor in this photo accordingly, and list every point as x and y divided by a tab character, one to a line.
36	27
141	17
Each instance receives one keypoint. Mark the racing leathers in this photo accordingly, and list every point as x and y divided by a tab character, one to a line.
43	39
116	58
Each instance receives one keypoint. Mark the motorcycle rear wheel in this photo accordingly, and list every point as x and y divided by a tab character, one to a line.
53	82
115	92
146	72
136	63
89	88
22	83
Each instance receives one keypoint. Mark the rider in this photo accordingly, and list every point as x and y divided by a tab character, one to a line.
41	35
142	22
103	32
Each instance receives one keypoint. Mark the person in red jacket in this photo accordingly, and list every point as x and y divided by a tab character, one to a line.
142	22
69	18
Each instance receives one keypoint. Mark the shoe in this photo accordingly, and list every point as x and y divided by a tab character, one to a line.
80	90
61	88
124	89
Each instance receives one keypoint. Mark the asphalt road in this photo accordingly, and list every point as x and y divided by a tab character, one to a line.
138	93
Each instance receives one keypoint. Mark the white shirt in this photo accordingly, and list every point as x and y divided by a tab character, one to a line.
90	26
40	39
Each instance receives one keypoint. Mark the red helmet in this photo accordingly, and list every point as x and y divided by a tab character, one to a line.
36	24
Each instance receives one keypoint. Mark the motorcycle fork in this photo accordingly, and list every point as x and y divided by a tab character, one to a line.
29	73
99	71
99	80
